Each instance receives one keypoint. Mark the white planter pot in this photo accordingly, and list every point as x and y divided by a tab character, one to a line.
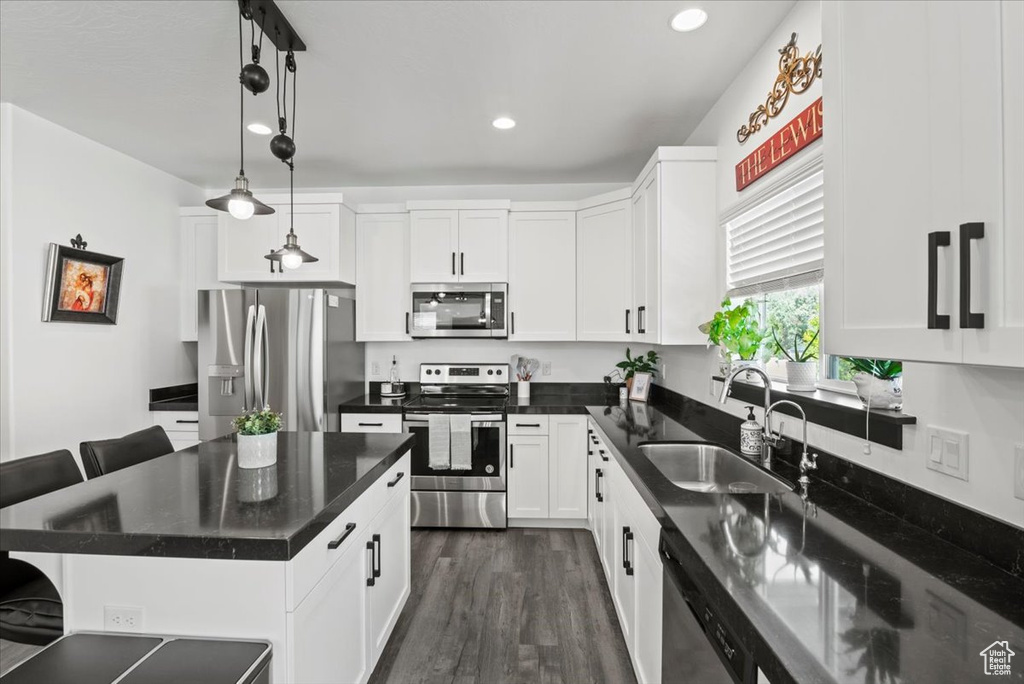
523	389
801	376
876	393
257	451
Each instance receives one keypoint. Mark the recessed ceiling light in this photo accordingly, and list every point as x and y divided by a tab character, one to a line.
689	20
503	123
259	129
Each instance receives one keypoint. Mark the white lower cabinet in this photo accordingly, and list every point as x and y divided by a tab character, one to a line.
389	547
371	422
623	582
567	467
182	427
547	467
527	477
648	578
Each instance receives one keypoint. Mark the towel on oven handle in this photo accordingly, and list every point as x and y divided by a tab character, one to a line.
462	442
438	441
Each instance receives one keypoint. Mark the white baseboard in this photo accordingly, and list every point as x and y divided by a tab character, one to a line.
550	523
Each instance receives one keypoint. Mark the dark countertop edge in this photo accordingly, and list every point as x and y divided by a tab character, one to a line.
765	654
188	403
371	403
209	548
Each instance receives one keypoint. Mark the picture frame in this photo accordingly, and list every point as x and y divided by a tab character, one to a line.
81	286
641	388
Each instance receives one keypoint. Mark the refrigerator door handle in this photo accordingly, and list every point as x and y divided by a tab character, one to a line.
259	360
317	323
247	366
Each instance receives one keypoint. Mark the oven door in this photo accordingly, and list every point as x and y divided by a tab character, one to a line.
488	453
447	310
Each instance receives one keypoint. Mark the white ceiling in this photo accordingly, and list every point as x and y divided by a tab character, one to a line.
390	93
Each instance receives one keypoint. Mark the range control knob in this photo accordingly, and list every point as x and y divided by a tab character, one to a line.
490	372
437	371
429	371
499	372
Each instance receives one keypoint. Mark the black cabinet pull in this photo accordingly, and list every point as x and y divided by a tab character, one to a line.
370	581
641	314
968	232
627	562
371	425
936	321
536	425
597	484
511	455
594	440
344	535
377	557
453	263
398	477
462	263
602	452
187	422
513	322
627	321
406	322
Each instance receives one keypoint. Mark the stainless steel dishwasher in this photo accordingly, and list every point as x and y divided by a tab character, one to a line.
696	646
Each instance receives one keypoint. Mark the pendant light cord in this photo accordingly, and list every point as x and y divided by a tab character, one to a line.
241	102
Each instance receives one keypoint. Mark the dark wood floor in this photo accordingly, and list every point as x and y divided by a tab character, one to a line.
506	606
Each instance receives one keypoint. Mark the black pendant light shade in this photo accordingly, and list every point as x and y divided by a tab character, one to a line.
235	201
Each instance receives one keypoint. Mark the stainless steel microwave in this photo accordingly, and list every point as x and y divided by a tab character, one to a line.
458	310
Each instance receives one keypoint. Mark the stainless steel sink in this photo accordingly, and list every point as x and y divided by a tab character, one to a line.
709	468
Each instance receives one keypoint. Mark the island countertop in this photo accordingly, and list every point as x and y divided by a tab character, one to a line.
197	503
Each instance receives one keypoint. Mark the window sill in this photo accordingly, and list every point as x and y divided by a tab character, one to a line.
834	410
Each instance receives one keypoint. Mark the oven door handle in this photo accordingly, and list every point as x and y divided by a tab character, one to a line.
475	418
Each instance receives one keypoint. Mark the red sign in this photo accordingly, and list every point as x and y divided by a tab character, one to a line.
791	138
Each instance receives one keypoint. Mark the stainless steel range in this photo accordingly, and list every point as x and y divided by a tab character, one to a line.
471	497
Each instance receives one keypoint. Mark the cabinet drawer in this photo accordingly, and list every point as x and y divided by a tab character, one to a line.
527	425
317	557
177	421
371	422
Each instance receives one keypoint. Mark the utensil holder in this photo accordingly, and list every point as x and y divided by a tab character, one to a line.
523	389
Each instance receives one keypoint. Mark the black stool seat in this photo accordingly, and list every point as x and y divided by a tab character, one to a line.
107	455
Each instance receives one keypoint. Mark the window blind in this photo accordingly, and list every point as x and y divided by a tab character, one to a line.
780	242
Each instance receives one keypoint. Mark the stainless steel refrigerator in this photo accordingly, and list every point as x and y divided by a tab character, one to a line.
293	350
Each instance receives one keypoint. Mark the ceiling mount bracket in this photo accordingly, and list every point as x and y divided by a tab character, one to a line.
269	17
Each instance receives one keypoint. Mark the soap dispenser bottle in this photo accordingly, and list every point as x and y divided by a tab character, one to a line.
751	435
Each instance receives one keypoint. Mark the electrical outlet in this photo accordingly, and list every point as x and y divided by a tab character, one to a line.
122	619
1018	471
545	368
948	452
375	369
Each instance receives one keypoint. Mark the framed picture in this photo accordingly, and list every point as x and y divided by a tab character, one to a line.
81	286
641	387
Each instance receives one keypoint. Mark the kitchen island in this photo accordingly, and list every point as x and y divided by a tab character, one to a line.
311	554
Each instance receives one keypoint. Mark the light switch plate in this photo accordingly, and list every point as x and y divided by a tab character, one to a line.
545	368
375	369
948	452
1018	471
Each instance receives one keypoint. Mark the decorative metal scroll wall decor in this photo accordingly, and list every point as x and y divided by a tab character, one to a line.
796	74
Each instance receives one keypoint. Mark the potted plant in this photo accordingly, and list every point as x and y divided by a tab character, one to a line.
257	438
736	332
638	364
801	370
879	383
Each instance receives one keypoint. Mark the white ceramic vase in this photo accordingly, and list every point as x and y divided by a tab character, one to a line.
878	393
801	376
523	389
257	451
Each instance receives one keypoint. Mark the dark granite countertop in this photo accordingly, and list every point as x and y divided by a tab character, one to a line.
374	403
175	398
196	503
835	591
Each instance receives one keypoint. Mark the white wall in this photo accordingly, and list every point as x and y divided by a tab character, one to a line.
986	403
64	382
570	361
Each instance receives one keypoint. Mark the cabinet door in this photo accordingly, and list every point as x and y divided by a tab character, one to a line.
328	630
992	104
318	229
623	584
483	246
651	317
607	522
542	276
648	578
434	246
198	268
891	178
639	226
527	477
390	536
382	277
242	246
567	467
604	273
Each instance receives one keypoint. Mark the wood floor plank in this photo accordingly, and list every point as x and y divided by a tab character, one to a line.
495	607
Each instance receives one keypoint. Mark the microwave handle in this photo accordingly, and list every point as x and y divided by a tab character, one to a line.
406	322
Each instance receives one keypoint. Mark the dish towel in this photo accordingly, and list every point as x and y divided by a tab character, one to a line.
439	439
462	442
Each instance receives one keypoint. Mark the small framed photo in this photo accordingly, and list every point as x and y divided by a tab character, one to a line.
641	387
81	286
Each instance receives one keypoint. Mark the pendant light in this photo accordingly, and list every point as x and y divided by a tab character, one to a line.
239	202
282	146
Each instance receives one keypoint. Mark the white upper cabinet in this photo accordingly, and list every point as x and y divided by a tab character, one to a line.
324	228
604	273
382	277
434	246
901	190
450	246
542	276
198	265
676	280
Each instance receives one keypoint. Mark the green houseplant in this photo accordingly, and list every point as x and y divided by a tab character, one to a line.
879	383
638	364
735	330
801	369
257	438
